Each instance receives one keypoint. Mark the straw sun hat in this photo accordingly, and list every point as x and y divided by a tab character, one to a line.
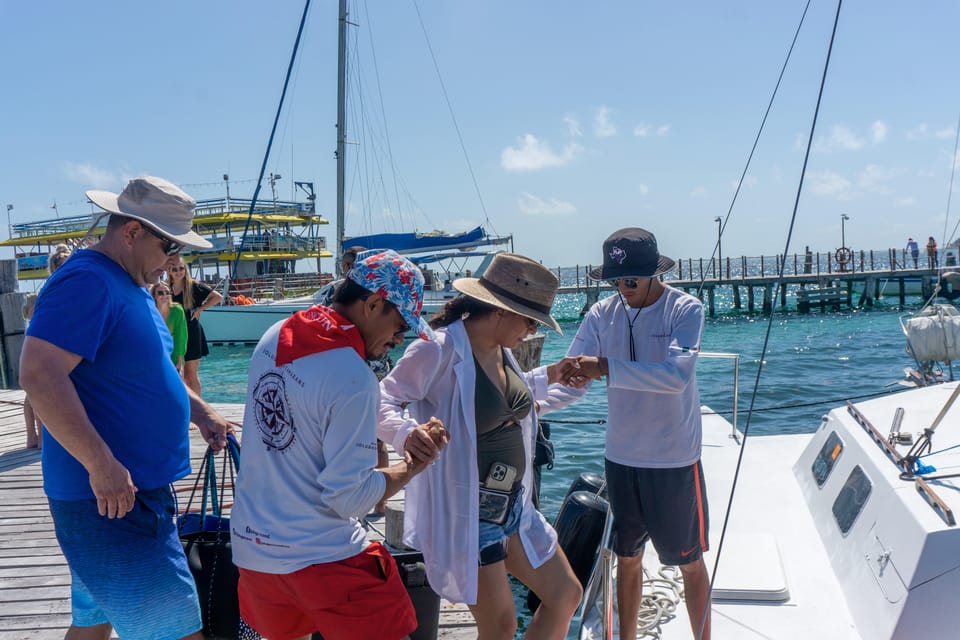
515	283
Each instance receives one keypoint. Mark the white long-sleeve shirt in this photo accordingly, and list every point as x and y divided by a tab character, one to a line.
308	457
653	414
442	515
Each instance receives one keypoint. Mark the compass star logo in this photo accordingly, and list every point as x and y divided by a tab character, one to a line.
271	412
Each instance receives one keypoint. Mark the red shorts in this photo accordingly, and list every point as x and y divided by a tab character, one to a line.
359	597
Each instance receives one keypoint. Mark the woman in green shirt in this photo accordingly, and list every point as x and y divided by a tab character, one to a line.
176	320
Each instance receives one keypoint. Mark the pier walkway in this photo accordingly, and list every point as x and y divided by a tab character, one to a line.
34	578
809	281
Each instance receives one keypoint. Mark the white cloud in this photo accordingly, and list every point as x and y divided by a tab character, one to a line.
828	183
602	126
699	192
945	134
908	201
533	155
573	126
643	189
532	205
748	182
840	139
663	130
641	131
918	132
878	132
89	175
874	178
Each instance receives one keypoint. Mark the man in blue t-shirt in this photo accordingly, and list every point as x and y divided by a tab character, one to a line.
96	365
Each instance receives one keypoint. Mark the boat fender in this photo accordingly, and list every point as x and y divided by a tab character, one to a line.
590	482
579	528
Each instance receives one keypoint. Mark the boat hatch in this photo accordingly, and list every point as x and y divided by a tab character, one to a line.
755	570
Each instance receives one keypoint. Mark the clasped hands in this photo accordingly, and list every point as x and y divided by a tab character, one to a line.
577	371
425	442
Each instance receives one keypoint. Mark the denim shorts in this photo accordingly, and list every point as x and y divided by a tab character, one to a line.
493	537
129	571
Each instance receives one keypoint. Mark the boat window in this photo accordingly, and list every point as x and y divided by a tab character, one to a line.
851	499
828	456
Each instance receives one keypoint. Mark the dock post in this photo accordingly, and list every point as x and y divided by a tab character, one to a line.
593	295
768	298
850	293
803	302
710	302
12	325
903	292
736	297
750	298
783	295
877	293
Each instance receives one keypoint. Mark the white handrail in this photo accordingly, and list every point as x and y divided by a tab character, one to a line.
736	381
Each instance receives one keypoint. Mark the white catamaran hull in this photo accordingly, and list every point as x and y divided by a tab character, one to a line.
788	570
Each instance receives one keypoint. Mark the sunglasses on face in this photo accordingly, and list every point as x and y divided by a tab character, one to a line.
176	269
170	247
628	283
162	293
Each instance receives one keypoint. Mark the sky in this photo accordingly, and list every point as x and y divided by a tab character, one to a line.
552	120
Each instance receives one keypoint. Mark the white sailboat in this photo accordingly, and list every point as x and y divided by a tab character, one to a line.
441	256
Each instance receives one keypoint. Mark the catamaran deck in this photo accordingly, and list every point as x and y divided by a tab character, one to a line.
34	579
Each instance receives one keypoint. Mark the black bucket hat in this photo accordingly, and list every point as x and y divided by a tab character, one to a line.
631	253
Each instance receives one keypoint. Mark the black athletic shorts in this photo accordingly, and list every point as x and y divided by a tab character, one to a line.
667	506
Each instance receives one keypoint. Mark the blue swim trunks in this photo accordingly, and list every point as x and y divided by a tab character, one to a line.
130	571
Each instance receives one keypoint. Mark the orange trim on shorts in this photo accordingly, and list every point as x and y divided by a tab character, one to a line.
699	491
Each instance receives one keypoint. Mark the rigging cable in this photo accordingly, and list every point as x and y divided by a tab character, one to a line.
766	339
453	117
756	141
266	155
946	217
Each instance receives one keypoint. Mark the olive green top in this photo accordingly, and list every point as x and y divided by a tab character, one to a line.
498	416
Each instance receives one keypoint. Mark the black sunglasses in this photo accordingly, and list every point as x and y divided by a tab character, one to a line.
629	283
162	292
170	247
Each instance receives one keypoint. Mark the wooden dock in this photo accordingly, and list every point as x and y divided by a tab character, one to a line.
34	578
815	281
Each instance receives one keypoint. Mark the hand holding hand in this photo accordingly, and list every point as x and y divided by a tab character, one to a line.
425	442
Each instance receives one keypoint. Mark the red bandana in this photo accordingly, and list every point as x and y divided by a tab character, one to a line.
314	330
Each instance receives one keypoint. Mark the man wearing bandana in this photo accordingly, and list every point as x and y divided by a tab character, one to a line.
309	454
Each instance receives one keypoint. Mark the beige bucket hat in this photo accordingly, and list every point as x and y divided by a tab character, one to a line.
515	283
157	203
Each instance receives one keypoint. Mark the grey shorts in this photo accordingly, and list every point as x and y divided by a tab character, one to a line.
667	506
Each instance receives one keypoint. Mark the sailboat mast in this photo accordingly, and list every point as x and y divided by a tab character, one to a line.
341	130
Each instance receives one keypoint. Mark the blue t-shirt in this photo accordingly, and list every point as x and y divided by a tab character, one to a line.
126	380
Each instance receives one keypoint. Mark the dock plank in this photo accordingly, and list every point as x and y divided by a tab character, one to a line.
34	577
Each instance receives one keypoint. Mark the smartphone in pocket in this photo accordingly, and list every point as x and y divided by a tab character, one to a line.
501	477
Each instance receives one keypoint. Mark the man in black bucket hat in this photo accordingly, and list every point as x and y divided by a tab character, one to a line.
644	339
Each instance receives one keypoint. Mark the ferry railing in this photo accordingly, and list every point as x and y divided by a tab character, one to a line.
736	382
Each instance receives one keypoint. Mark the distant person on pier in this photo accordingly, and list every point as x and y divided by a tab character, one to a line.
176	320
932	252
194	297
645	340
33	422
96	364
471	512
914	251
308	464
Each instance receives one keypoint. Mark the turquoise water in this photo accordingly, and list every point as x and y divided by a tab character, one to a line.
821	358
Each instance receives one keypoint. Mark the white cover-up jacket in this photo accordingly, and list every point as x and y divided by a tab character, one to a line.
441	516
